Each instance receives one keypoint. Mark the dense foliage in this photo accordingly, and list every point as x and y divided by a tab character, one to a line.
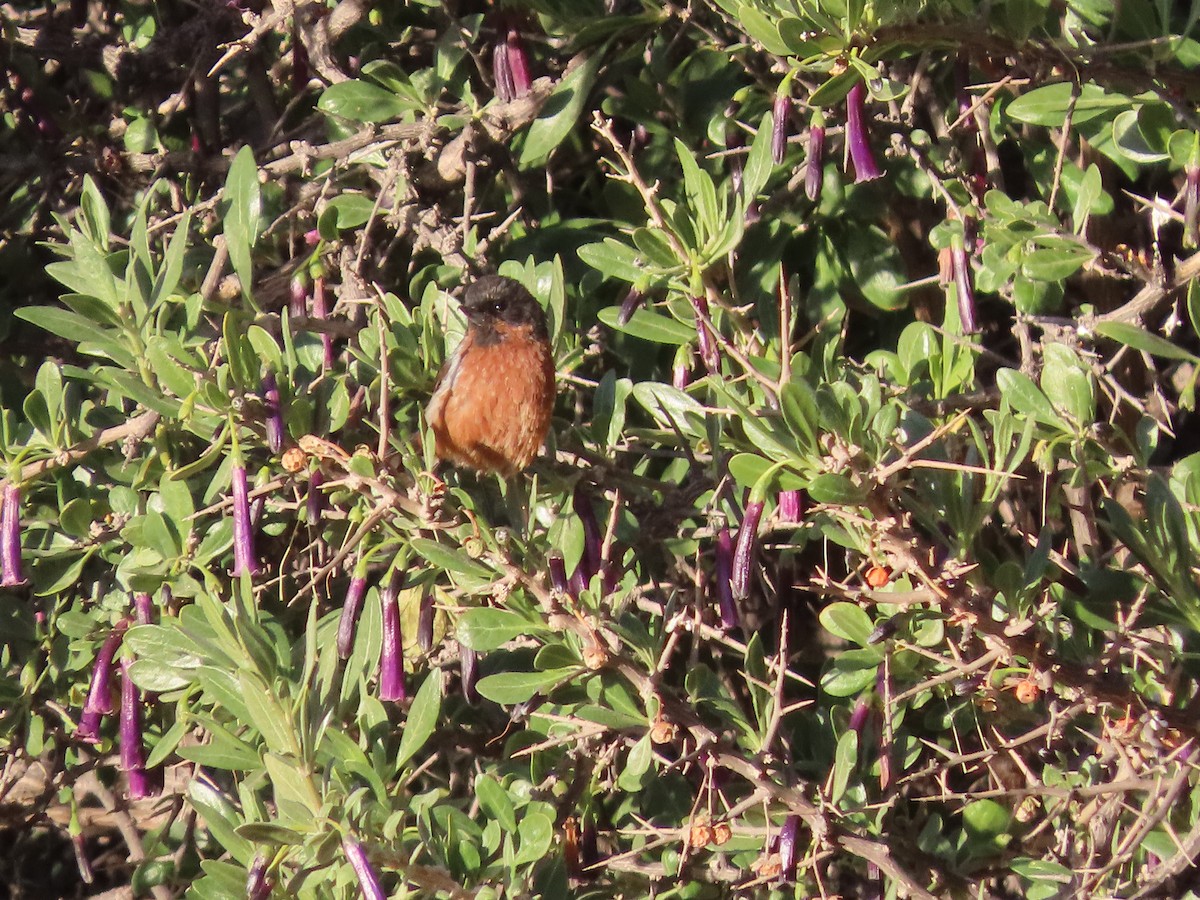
861	558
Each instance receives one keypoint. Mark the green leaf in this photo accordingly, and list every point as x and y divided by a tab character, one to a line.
536	831
271	833
836	490
75	328
486	628
561	111
451	560
1140	339
845	761
637	764
649	326
349	210
508	688
360	101
494	801
1048	105
243	213
220	818
267	714
422	718
985	820
758	162
1025	397
847	621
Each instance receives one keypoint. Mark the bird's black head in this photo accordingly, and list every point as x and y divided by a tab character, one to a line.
494	300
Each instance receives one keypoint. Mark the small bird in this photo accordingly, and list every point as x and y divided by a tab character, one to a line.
492	401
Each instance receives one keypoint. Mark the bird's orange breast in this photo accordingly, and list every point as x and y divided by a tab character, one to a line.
492	407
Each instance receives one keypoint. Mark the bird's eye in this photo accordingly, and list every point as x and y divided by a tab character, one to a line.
497	307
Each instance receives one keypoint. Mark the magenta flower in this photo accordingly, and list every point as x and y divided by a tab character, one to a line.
790	506
787	847
315	503
865	167
369	887
681	372
391	657
1191	201
590	564
746	550
10	537
245	561
320	310
781	111
558	574
352	609
259	884
814	172
630	305
99	701
274	421
298	297
723	570
510	61
143	607
133	754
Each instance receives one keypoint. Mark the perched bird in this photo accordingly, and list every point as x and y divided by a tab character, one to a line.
491	405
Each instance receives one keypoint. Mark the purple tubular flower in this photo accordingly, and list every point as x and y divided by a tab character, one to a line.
591	562
274	423
321	311
858	716
99	699
865	167
143	606
963	289
787	847
681	372
724	575
708	344
258	884
351	610
518	61
316	497
790	507
747	545
391	658
369	887
133	755
558	574
425	621
469	660
814	172
298	297
10	537
630	305
82	860
781	111
245	560
502	71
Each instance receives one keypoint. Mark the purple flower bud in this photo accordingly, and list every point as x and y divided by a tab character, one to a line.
709	352
518	62
859	715
735	139
316	498
814	171
274	423
258	884
963	289
681	372
82	861
590	564
579	584
425	621
747	546
10	537
245	560
143	607
469	660
630	305
790	506
781	111
723	570
865	167
502	72
391	658
558	574
369	887
320	309
351	609
298	297
99	699
787	847
133	755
